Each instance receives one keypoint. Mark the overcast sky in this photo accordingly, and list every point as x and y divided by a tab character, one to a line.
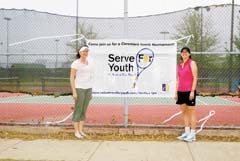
108	8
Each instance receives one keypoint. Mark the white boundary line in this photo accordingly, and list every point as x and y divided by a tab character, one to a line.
233	102
70	103
14	98
31	98
204	103
22	99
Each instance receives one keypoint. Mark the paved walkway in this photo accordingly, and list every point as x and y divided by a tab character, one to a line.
85	150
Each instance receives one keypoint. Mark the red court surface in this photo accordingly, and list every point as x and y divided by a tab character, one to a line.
235	99
7	94
110	114
114	114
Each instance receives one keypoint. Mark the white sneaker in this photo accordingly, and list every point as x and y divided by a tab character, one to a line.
83	134
79	136
183	136
190	137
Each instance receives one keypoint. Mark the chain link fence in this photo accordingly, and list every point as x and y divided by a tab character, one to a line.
218	72
36	51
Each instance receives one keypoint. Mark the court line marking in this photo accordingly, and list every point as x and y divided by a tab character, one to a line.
33	99
204	103
14	98
232	102
50	100
50	103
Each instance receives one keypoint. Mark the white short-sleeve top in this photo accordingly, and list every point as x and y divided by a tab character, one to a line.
84	74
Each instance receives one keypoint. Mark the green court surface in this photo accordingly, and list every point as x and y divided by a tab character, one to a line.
116	100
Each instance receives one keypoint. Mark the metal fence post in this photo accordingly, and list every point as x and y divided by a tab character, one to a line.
125	36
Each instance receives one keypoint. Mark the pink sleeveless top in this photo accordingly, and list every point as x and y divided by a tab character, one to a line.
185	76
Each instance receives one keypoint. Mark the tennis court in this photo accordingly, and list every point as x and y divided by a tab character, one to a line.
37	62
44	109
45	99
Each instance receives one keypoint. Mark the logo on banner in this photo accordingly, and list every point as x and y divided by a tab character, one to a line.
165	87
120	63
144	59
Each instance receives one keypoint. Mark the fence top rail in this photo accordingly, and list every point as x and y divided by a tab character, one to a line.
217	53
55	78
9	78
37	54
70	53
206	78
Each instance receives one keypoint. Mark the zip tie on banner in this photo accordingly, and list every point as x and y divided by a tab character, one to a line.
204	119
170	118
44	37
60	121
186	37
80	38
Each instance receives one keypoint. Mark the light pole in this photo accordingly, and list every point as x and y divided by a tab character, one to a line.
200	9
56	40
56	62
76	25
1	43
164	34
201	29
231	48
7	19
232	26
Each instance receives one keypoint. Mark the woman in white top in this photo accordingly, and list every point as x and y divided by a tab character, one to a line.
81	80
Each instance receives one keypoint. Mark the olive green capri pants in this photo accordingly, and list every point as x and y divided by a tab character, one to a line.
81	104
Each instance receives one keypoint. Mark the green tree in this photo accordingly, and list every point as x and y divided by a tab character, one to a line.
87	31
236	57
204	38
237	37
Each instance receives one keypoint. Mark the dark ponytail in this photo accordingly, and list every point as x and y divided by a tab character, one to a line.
80	50
78	55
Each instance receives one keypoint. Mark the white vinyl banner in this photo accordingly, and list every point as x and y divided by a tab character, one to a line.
134	68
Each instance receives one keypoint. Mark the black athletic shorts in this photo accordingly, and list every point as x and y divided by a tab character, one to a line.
183	98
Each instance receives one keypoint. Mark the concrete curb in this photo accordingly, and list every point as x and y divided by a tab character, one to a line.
44	130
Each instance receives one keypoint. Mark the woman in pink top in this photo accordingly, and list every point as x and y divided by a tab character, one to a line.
186	93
